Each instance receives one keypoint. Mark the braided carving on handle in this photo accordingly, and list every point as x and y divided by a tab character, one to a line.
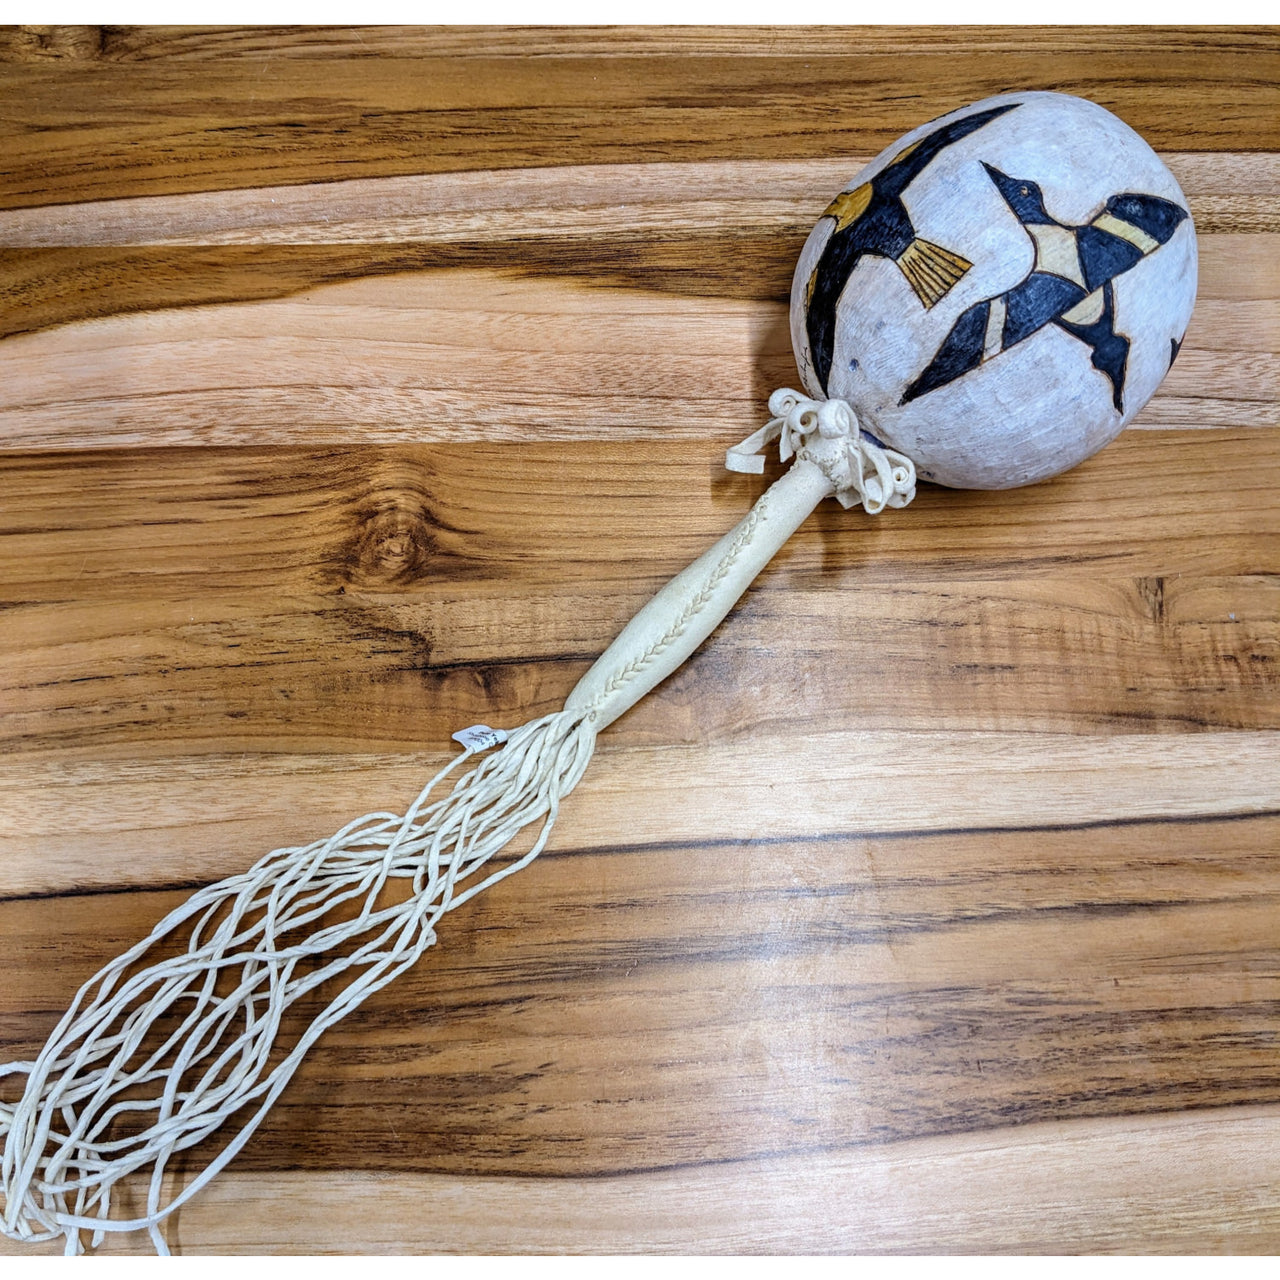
693	607
686	611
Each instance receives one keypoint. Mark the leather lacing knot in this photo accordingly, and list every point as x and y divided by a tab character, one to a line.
826	433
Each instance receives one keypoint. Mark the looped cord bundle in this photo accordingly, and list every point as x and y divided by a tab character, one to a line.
181	1036
188	1041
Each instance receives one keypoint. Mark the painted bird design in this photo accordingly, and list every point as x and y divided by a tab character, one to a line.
872	219
1070	284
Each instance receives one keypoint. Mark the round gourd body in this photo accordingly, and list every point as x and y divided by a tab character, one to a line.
1000	291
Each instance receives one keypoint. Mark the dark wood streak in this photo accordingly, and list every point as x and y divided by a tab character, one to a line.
40	288
947	1002
44	287
764	843
220	123
298	519
197	43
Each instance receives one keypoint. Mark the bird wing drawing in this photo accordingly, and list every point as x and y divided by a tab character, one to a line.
1069	284
872	219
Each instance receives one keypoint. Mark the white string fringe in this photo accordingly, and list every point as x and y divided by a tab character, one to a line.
255	944
861	470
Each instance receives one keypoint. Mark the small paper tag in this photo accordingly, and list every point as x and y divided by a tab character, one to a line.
479	737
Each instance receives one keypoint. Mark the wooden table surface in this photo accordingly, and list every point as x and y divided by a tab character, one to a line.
357	385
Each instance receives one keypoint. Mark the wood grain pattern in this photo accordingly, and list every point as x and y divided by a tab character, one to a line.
702	230
359	384
450	595
96	128
197	44
865	989
415	356
992	1193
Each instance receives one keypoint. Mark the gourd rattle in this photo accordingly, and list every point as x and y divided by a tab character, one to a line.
988	303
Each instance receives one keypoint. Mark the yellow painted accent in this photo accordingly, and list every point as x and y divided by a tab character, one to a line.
1086	311
849	206
931	270
1126	231
1056	252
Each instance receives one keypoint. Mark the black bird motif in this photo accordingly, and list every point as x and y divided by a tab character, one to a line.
1069	284
871	219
